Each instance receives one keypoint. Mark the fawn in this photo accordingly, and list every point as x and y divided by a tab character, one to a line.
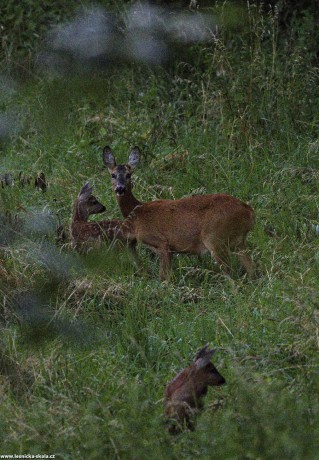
183	395
83	231
215	223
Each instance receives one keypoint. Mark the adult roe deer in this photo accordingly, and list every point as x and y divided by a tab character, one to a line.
122	185
121	179
183	395
215	223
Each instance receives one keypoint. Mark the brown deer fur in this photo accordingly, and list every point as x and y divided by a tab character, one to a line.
195	225
183	395
202	223
83	231
122	185
121	179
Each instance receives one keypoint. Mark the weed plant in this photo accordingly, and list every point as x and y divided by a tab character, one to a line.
88	342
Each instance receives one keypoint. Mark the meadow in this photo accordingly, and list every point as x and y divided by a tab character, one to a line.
89	341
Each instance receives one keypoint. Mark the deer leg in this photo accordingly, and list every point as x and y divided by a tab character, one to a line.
245	260
222	259
165	263
132	248
219	251
136	257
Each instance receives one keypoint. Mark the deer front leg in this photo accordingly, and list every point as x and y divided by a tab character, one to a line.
138	263
132	248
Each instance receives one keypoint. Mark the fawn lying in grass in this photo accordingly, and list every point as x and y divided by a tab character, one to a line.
83	231
183	395
215	223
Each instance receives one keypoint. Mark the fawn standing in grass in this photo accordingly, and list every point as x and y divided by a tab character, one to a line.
83	231
216	223
183	395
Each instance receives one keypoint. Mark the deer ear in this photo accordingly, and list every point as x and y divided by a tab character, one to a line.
203	356
134	157
108	158
85	191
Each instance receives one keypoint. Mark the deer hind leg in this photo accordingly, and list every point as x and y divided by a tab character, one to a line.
220	253
222	258
165	263
245	260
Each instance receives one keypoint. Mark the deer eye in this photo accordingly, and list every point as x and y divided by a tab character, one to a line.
113	176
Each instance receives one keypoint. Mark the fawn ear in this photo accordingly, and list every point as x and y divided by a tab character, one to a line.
203	356
108	158
134	157
85	191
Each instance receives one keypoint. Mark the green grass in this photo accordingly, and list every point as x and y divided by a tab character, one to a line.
89	343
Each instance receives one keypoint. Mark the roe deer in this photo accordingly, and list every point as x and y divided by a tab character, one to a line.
81	230
122	185
121	179
216	223
195	225
183	395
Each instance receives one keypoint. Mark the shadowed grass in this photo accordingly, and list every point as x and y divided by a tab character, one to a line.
90	341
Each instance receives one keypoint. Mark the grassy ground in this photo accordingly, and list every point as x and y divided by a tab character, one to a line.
88	344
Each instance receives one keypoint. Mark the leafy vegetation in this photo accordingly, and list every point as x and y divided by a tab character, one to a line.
89	341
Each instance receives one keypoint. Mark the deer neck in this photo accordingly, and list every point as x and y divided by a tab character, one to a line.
127	202
78	214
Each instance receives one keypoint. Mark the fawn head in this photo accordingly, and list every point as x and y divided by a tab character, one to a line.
87	204
184	393
192	382
121	174
204	370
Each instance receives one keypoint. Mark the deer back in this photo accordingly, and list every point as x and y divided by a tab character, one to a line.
184	225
